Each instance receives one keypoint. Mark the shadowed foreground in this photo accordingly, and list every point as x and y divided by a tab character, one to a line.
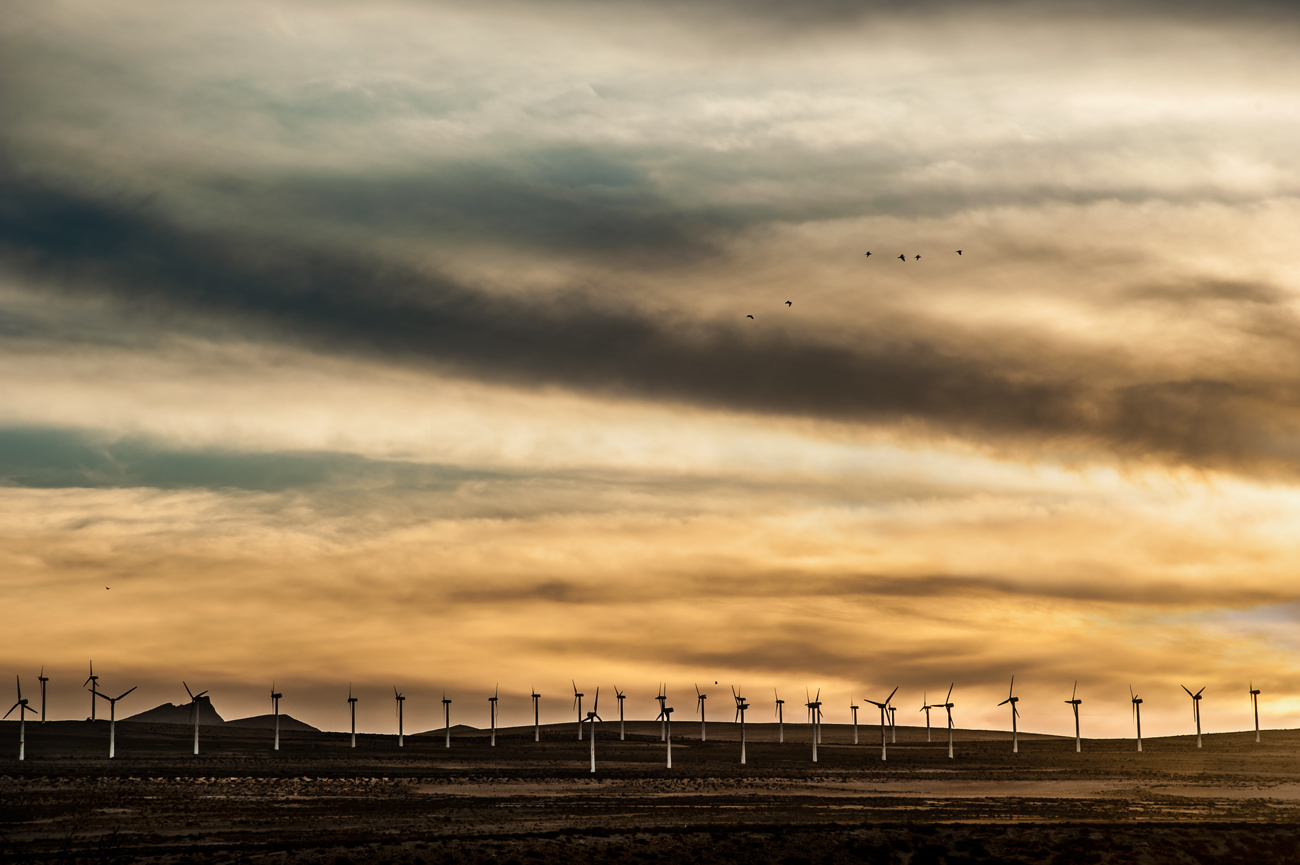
319	801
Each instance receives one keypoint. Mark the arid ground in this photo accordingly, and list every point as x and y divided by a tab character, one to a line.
317	800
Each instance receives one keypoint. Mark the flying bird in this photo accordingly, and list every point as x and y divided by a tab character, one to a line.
902	258
789	303
959	252
868	255
918	258
749	316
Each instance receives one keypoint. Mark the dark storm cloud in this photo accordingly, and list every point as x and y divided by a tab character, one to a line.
336	302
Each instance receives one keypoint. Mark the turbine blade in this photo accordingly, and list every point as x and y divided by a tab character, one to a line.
948	699
1198	693
10	712
891	696
127	692
1076	689
191	693
1184	687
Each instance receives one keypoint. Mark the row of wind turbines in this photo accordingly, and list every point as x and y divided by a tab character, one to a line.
813	704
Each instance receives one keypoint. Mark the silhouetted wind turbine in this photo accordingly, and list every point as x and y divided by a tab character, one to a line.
815	716
1196	711
947	705
893	729
112	720
1015	713
741	706
537	718
1137	714
853	707
43	679
446	712
93	682
780	716
401	701
667	713
1074	701
884	707
23	709
699	706
492	701
592	717
275	710
620	696
194	710
663	718
352	709
1255	704
926	707
577	704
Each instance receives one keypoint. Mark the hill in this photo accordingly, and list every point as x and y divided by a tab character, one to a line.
267	722
170	713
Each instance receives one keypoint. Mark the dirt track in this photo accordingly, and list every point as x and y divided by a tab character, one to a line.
319	801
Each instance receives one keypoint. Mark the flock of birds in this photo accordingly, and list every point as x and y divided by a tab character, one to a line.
902	258
813	704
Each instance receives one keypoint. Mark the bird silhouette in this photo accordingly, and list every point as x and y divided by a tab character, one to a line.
918	258
868	255
959	252
789	303
902	258
749	316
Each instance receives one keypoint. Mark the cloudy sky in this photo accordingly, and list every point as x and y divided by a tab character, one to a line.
405	344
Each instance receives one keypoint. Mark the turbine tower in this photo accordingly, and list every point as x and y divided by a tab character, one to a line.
93	682
352	709
1255	704
592	717
884	707
1074	701
194	710
741	706
853	707
401	701
492	704
663	718
1137	714
926	707
1196	711
275	710
537	718
814	717
667	714
620	696
112	720
893	730
23	709
43	679
577	704
947	705
780	717
699	707
446	712
1015	713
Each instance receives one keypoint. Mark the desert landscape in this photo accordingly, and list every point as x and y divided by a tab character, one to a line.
318	800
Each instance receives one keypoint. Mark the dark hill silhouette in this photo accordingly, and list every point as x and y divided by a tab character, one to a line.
456	729
267	722
169	713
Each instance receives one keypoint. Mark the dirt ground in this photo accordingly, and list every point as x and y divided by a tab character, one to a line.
319	801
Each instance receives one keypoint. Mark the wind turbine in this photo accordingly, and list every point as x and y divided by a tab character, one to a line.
112	719
1015	713
741	706
275	710
926	707
620	695
401	701
814	716
194	710
884	707
667	714
853	707
577	703
492	701
93	682
592	717
1074	701
947	705
352	708
893	730
43	679
446	711
663	718
1196	711
699	706
780	717
537	718
1137	714
1255	704
23	709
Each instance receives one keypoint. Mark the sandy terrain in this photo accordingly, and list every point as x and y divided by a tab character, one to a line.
317	800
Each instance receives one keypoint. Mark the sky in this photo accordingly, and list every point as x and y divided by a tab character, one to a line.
408	344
